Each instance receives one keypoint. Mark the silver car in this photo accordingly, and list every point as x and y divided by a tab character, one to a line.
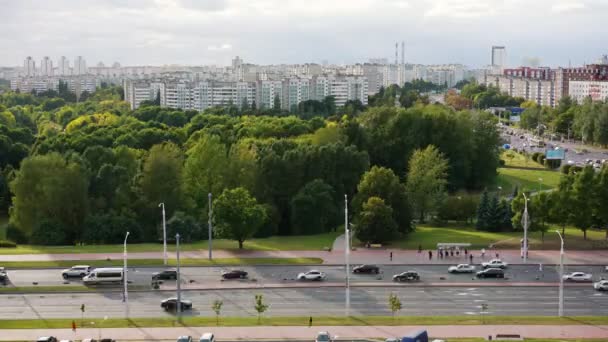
601	285
578	276
462	268
76	271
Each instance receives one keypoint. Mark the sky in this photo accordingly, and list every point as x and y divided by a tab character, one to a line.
203	32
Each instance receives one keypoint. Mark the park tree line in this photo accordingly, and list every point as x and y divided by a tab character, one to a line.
87	172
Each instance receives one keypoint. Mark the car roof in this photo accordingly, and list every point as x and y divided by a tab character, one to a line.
314	271
206	335
81	266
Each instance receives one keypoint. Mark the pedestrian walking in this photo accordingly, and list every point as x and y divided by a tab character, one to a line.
391	256
430	255
73	325
310	322
483	253
471	258
466	251
497	256
452	252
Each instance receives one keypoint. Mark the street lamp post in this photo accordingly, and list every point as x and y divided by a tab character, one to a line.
560	311
178	280
210	213
540	182
526	219
125	277
499	192
347	254
162	205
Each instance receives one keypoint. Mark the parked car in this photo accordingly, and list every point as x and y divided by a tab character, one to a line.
234	274
578	276
47	339
207	337
494	263
372	269
407	276
323	336
168	274
78	271
491	273
462	268
312	275
3	276
184	339
601	285
170	304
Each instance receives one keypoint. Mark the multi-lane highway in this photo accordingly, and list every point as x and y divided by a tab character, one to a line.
211	276
316	302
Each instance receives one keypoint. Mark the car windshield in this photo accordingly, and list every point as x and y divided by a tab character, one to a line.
323	337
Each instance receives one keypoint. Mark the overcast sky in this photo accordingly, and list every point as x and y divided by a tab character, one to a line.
197	32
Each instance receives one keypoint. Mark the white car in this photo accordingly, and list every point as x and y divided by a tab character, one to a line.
311	275
462	268
601	285
578	276
76	271
495	263
323	336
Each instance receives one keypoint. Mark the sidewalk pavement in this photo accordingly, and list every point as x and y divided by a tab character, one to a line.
359	256
306	333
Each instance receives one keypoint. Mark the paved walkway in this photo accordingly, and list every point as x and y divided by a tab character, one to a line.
359	256
306	333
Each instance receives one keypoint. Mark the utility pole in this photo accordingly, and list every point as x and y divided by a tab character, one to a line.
125	277
179	280
525	218
164	235
560	311
210	213
347	254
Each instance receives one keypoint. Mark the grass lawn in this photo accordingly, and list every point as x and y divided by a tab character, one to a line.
274	243
302	321
514	159
527	180
159	262
429	237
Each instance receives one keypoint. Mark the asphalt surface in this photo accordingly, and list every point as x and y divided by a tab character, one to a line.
420	301
574	152
286	275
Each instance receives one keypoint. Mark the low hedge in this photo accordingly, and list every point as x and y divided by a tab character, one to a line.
7	244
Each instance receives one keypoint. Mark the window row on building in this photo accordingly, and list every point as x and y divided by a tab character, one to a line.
76	84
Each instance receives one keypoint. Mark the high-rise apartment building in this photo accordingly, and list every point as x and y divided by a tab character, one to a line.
29	66
499	59
46	66
80	66
63	66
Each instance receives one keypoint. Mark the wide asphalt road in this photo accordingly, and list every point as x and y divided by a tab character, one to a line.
316	301
260	275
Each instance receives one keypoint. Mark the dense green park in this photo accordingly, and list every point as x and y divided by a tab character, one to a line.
82	174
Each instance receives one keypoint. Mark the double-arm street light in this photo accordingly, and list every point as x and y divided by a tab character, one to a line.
525	224
125	277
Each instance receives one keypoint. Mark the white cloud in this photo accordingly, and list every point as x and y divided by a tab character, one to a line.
568	6
219	47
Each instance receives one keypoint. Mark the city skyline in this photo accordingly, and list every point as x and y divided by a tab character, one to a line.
184	32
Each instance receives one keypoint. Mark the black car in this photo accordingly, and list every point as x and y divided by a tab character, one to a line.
47	339
407	276
170	304
234	274
491	273
371	269
170	274
3	276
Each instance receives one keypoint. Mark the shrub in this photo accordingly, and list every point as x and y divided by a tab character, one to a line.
7	244
111	228
501	163
15	234
49	233
566	168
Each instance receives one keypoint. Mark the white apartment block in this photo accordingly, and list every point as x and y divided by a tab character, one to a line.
267	90
29	66
63	67
76	85
581	90
80	66
295	90
46	66
540	91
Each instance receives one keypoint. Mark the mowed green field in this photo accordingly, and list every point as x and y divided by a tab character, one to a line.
274	243
526	179
514	159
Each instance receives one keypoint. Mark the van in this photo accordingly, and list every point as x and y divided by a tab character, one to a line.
207	337
104	276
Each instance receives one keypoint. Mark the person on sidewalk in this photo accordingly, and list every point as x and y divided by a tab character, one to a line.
73	325
430	255
391	256
483	253
310	322
471	258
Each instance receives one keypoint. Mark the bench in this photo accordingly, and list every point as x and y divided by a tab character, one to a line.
375	245
514	337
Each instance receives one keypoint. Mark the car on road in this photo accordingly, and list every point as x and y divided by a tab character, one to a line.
46	339
407	276
491	273
169	274
323	336
462	268
184	339
494	263
601	285
207	337
78	271
3	276
234	274
170	304
578	277
371	269
312	275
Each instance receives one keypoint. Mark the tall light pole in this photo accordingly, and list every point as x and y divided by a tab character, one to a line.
162	205
499	192
560	311
179	281
347	254
210	214
525	224
540	182
125	277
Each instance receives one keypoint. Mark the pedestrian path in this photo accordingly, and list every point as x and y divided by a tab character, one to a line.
306	333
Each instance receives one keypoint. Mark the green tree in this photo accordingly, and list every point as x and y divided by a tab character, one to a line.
540	212
237	215
583	200
481	223
375	222
602	198
313	208
383	183
48	188
217	308
560	199
427	180
394	303
187	226
260	306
